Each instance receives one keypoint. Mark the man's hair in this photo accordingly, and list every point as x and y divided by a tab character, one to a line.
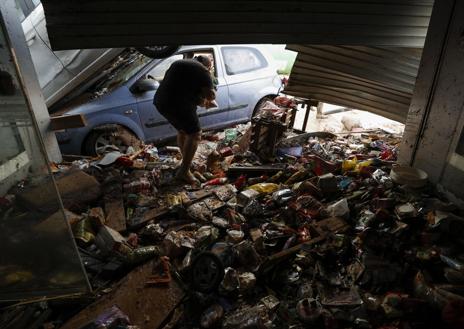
203	60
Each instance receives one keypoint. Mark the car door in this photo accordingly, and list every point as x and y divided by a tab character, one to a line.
246	73
154	125
216	116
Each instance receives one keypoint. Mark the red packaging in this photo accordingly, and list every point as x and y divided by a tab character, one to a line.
124	161
226	151
216	181
240	182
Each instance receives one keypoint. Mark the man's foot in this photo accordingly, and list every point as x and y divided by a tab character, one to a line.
187	176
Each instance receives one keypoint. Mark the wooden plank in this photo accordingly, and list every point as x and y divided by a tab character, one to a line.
254	169
76	189
67	121
333	224
115	214
146	306
284	254
149	215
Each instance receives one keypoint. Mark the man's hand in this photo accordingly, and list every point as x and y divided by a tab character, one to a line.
208	98
208	94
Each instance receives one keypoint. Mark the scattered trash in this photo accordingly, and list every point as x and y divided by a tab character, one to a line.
313	230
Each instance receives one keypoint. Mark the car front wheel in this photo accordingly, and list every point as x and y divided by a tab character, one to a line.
260	105
107	138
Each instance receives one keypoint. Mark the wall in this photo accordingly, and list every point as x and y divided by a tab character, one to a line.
28	78
20	96
436	116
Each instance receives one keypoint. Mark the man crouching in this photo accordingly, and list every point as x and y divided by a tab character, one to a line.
186	85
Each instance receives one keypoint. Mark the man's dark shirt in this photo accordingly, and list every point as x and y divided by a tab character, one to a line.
182	85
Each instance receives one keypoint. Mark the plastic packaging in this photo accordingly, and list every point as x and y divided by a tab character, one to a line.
211	316
256	180
282	196
276	178
247	281
240	182
249	317
363	164
216	181
348	165
235	236
264	188
137	186
308	310
296	177
142	254
339	208
230	135
111	318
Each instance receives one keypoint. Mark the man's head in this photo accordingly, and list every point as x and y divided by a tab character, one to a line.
204	60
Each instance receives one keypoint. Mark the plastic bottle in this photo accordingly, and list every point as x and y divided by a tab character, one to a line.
216	181
211	316
137	186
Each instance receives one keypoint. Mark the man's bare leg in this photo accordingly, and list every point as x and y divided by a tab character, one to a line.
190	146
181	141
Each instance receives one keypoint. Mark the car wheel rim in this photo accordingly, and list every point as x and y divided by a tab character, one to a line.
104	141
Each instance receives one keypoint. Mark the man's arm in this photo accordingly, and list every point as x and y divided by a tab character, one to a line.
208	93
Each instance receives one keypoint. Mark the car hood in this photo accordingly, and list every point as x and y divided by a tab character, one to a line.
88	103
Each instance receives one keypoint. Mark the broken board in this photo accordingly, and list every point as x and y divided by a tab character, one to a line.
146	306
115	214
67	121
255	169
76	189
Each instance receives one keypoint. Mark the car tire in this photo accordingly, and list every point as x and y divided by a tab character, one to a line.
105	137
158	51
207	272
261	103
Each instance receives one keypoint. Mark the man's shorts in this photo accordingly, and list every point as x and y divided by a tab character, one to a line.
183	118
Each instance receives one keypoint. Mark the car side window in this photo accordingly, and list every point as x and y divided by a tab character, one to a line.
242	59
160	69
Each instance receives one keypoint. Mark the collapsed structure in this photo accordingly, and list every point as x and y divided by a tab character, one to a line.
307	230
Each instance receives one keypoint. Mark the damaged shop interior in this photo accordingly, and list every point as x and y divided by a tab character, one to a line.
293	225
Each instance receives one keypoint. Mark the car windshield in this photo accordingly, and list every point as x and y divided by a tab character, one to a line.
119	71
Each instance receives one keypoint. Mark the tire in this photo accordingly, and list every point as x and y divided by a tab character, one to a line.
162	51
207	272
115	135
260	104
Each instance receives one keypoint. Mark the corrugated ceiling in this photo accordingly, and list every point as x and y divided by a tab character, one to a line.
367	73
376	79
120	23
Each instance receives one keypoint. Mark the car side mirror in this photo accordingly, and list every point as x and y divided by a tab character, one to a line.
144	85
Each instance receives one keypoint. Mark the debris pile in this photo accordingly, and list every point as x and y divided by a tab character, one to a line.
323	235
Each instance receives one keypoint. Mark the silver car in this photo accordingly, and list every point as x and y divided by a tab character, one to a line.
119	102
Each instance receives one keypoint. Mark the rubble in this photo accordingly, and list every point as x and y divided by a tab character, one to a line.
317	230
